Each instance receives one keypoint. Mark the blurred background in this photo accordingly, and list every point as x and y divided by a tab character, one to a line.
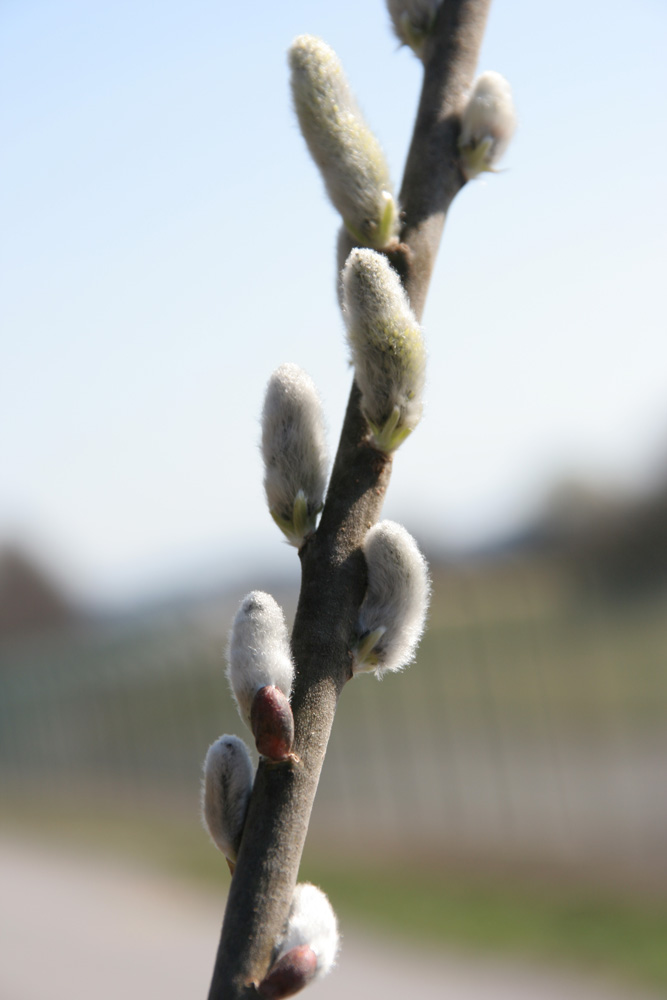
166	243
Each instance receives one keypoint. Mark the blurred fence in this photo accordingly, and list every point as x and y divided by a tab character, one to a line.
531	731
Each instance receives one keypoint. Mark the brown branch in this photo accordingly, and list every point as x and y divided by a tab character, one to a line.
333	568
433	177
333	584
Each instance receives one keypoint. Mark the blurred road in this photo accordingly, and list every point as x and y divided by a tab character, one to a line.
72	927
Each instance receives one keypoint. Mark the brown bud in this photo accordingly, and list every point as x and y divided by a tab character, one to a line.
272	723
289	974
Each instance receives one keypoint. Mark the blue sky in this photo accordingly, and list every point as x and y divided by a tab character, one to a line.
166	243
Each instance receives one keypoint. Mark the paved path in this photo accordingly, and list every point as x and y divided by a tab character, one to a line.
74	928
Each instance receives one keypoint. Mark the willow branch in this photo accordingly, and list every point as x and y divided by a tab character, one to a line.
433	176
333	568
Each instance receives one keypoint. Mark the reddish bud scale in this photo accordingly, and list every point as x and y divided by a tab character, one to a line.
272	723
289	974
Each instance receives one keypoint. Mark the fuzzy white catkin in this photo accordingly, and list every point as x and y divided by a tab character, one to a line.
294	451
413	20
259	652
226	788
396	601
488	124
312	922
349	157
388	350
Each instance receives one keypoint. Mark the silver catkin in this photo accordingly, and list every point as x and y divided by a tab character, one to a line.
312	922
226	788
387	347
259	652
487	125
294	451
393	612
349	157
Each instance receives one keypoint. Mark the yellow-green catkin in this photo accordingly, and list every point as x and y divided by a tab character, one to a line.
350	159
388	350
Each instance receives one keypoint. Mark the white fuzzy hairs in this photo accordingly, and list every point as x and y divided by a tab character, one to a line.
226	788
312	922
259	652
294	451
488	124
393	612
388	350
308	947
349	157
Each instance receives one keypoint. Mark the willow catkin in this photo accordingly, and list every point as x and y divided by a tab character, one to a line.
259	652
393	613
352	164
294	451
226	788
387	346
487	125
